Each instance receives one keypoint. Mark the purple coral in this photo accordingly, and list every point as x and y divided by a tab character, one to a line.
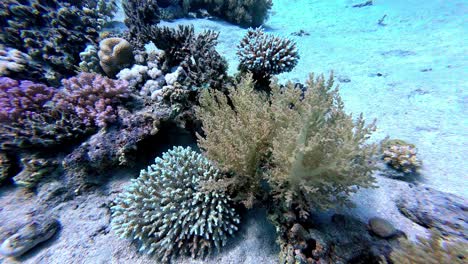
19	99
93	97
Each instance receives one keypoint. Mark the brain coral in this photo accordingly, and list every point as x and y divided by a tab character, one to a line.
167	212
264	54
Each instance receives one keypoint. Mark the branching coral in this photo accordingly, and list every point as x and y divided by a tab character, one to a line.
19	99
166	211
265	55
52	33
401	156
92	97
430	251
140	16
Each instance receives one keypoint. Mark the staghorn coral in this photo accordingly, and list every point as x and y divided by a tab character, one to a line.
166	211
92	97
401	156
140	16
265	55
238	139
52	33
433	250
114	55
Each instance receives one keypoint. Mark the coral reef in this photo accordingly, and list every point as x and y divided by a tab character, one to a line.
433	250
92	97
45	129
166	211
265	55
401	156
114	55
140	16
111	148
52	33
196	54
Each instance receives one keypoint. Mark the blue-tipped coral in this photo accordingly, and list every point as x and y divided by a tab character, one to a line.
167	211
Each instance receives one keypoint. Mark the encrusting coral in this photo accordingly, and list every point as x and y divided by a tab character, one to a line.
433	250
401	156
166	211
265	55
114	55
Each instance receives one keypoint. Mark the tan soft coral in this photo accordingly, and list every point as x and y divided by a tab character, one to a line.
303	143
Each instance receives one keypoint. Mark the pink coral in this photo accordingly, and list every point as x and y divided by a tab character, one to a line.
19	99
92	97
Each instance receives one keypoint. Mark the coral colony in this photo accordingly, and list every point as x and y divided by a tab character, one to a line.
77	100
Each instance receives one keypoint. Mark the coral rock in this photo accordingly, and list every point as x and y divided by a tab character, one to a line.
29	236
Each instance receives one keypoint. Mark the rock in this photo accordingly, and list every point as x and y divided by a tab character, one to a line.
430	208
339	239
381	227
29	236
